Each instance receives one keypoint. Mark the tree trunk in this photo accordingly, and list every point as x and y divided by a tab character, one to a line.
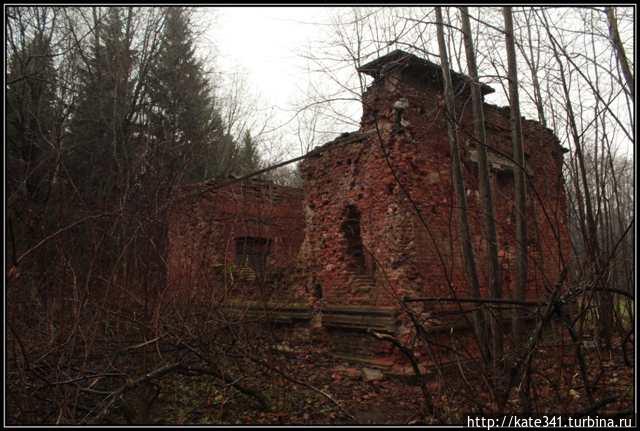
495	288
520	195
518	173
604	299
620	53
458	180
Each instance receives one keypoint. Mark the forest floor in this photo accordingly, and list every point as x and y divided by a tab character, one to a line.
301	383
335	392
355	401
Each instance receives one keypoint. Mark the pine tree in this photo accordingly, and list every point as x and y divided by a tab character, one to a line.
248	157
99	129
184	119
30	111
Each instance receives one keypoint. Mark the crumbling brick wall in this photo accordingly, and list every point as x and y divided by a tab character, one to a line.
394	177
207	220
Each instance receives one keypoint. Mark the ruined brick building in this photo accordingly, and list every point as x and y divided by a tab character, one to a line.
378	210
227	231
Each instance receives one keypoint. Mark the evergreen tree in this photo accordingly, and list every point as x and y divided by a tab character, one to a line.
30	111
184	119
99	128
248	157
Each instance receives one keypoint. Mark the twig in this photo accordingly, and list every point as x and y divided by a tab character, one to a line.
428	401
58	232
113	397
306	385
262	400
596	406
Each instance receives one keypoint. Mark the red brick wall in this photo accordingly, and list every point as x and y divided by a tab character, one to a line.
414	259
206	219
412	255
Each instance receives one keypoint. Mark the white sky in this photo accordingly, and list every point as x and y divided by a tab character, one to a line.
265	44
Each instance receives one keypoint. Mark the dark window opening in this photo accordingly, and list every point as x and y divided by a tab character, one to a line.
390	187
352	235
505	179
317	290
253	252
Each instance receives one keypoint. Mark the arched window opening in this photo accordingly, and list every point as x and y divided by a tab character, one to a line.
355	255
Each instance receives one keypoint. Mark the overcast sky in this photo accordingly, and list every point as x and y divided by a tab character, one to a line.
265	44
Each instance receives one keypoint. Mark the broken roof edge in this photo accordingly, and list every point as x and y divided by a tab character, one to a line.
191	190
400	58
342	139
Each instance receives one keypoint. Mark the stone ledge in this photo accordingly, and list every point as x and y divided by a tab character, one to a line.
277	312
360	318
351	317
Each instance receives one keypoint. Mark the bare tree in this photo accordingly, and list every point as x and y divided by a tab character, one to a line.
520	192
519	172
495	288
620	52
458	180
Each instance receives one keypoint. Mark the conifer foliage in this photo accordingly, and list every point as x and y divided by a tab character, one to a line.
184	118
